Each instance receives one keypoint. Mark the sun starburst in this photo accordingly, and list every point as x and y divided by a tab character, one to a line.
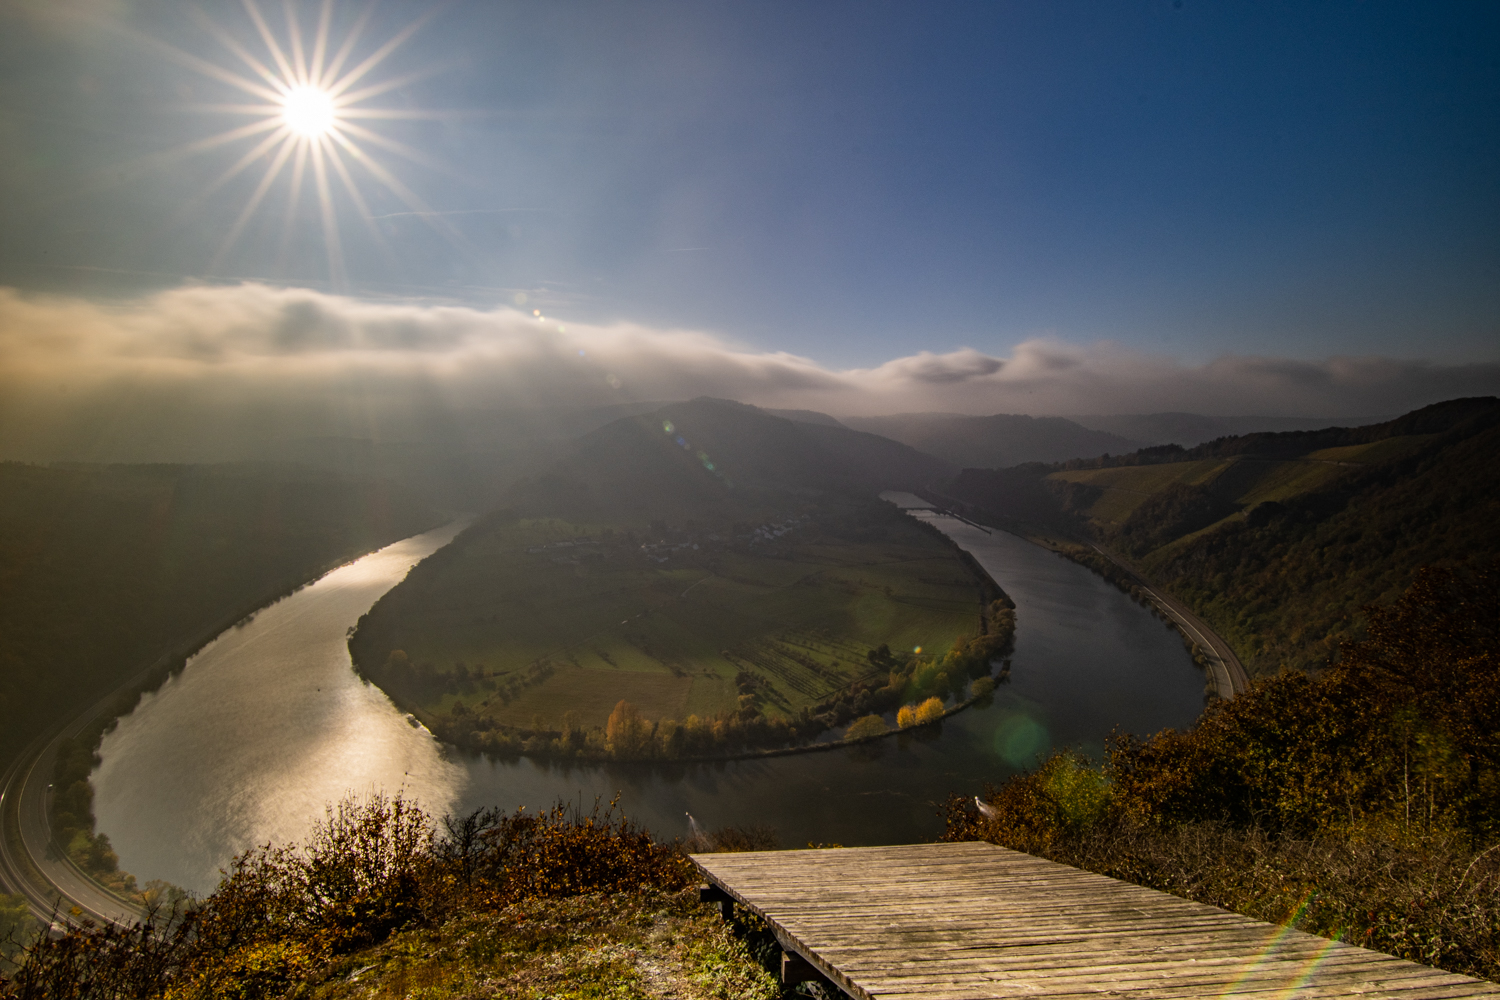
308	104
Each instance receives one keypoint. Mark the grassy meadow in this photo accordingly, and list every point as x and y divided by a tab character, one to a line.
543	624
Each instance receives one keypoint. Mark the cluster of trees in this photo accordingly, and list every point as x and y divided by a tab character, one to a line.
916	688
1363	802
630	736
284	916
72	815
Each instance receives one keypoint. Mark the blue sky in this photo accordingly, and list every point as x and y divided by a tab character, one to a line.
850	183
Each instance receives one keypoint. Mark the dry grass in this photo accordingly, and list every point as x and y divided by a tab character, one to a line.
642	945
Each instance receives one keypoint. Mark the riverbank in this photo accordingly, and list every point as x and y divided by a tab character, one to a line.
1224	672
983	696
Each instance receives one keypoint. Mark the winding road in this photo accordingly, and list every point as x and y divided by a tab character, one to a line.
1228	674
32	865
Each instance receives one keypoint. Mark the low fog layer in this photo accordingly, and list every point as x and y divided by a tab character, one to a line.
202	373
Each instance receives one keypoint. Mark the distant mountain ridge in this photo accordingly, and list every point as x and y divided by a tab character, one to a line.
995	441
684	459
1189	429
806	417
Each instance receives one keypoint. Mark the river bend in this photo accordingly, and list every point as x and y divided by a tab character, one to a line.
269	724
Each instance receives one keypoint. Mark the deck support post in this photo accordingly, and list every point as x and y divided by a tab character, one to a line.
796	969
710	893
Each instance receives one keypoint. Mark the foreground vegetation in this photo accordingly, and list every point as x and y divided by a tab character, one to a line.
543	636
1361	804
379	902
1277	540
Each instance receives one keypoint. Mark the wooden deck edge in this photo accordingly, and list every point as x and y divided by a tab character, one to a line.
788	942
1438	980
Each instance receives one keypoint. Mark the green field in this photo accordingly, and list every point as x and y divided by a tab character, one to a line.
529	620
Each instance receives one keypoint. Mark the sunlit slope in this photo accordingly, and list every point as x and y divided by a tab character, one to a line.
105	568
1237	482
1278	540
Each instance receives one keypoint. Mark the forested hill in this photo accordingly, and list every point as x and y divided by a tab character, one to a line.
706	457
1279	540
103	569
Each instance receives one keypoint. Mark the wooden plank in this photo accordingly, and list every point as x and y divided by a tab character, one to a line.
972	921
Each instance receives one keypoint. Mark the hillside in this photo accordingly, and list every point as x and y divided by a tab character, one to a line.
1278	539
995	441
710	458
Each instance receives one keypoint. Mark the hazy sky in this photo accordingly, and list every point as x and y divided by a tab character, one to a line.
1309	190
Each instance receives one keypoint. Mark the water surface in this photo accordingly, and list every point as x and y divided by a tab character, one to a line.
269	724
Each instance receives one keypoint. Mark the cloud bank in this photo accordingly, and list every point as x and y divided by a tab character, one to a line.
296	361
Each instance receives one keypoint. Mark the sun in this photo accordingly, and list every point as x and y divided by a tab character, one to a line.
309	111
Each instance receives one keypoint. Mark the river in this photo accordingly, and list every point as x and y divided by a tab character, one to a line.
269	724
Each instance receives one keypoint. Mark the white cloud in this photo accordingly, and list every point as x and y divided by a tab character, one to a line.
307	356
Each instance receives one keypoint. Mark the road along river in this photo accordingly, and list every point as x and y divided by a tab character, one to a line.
269	724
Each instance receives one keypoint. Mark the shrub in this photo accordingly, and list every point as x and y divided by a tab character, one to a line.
930	710
866	727
906	717
16	926
372	867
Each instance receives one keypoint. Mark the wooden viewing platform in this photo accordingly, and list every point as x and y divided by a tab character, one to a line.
958	921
